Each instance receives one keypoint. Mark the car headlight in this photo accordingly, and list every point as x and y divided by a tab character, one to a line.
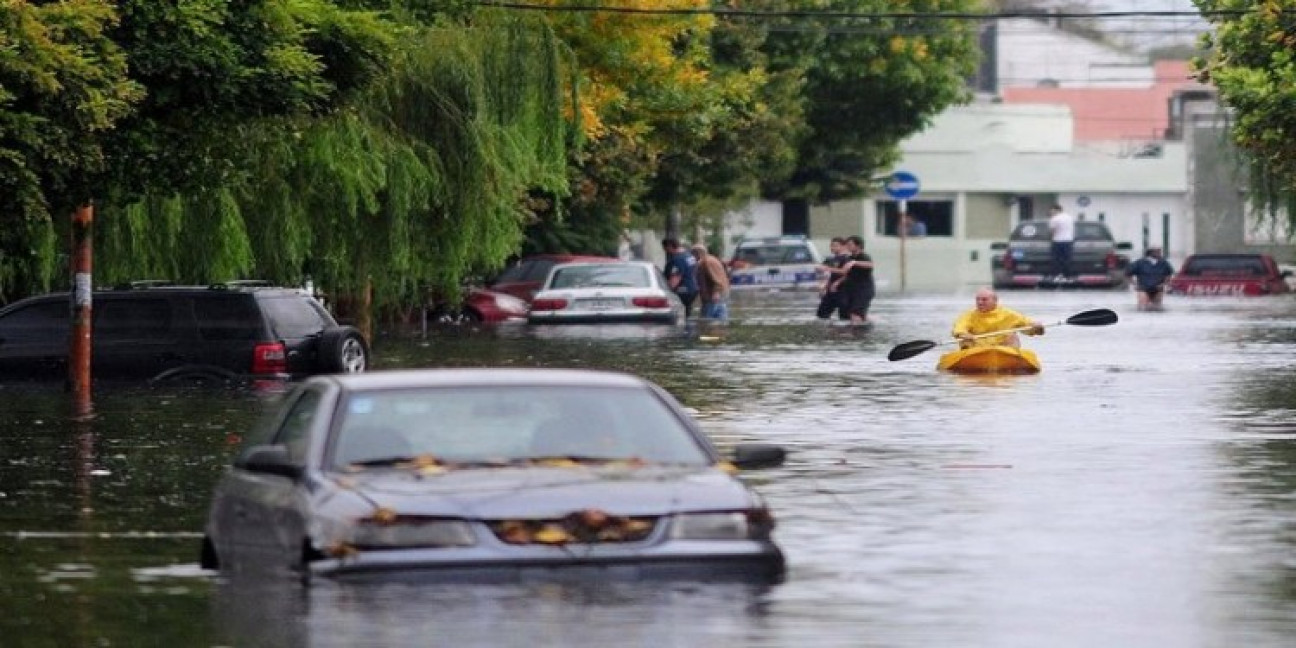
755	524
510	304
412	532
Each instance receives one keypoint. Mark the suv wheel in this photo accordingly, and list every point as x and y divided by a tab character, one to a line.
343	350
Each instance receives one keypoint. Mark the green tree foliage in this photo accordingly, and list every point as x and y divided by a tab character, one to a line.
110	101
421	181
1251	59
212	67
869	83
798	106
352	142
647	93
63	84
750	138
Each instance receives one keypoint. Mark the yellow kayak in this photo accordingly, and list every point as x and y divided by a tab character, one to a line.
990	359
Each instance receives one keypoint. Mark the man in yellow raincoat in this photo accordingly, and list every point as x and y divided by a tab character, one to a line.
989	317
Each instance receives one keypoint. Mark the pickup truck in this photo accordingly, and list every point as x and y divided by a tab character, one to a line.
1230	275
1025	260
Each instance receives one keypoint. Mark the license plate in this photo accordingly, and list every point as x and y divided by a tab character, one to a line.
600	304
1217	289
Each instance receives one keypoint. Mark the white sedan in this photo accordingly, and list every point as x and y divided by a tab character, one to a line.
614	291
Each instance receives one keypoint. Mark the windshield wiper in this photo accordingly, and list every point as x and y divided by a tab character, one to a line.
585	459
382	461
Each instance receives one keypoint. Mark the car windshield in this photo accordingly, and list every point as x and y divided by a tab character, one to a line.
613	275
501	425
773	253
1225	266
1039	231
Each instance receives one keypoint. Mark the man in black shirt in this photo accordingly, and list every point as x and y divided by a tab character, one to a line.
829	297
857	288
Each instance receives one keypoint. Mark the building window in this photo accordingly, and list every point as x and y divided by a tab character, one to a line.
1266	227
936	215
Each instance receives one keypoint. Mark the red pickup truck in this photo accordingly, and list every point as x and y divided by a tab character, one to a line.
1229	274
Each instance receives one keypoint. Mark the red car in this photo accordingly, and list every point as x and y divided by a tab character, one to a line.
478	306
523	278
490	306
1229	274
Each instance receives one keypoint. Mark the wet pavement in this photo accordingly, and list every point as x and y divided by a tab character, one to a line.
1138	492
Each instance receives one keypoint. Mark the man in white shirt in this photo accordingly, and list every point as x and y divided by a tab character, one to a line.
1062	227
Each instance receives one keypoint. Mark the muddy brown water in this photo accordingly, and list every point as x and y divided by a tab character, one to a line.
1140	491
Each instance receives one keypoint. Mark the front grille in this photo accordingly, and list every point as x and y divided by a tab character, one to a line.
580	527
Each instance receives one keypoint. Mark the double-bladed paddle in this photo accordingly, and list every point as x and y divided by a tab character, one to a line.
1097	317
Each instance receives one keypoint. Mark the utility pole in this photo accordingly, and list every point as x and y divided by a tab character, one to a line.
79	343
902	225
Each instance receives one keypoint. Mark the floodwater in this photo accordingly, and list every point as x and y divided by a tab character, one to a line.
1140	491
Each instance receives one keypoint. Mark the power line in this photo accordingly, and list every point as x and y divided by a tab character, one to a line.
861	30
750	13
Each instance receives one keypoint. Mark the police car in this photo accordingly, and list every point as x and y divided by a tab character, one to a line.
775	262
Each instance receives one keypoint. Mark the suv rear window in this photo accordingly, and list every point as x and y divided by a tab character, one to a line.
1226	266
774	253
294	317
1039	231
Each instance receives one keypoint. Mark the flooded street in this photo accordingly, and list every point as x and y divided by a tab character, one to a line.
1140	491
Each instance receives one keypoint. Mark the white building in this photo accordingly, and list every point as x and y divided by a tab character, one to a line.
1099	130
1034	52
983	168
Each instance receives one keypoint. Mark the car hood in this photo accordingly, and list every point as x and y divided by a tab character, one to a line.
538	491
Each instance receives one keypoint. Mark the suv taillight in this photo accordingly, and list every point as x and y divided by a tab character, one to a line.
269	358
1008	262
1113	261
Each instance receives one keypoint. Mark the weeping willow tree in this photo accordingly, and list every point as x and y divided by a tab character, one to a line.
423	180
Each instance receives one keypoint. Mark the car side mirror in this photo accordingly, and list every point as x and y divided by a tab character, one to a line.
999	246
751	456
1125	246
269	459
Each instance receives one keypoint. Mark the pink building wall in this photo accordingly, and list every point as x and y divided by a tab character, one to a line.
1115	114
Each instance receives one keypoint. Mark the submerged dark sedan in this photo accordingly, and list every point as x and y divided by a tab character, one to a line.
490	475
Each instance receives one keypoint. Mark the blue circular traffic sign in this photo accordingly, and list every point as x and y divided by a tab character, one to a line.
902	185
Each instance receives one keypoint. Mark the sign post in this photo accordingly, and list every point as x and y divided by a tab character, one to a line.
902	186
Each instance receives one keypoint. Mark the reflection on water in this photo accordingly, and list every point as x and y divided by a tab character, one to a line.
1136	492
550	614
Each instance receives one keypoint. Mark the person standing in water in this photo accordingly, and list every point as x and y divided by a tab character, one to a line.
1150	274
713	284
829	298
856	290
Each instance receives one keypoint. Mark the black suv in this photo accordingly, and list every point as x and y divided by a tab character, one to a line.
1026	260
231	332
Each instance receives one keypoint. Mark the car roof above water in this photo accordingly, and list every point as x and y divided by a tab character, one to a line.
1226	262
404	378
147	288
